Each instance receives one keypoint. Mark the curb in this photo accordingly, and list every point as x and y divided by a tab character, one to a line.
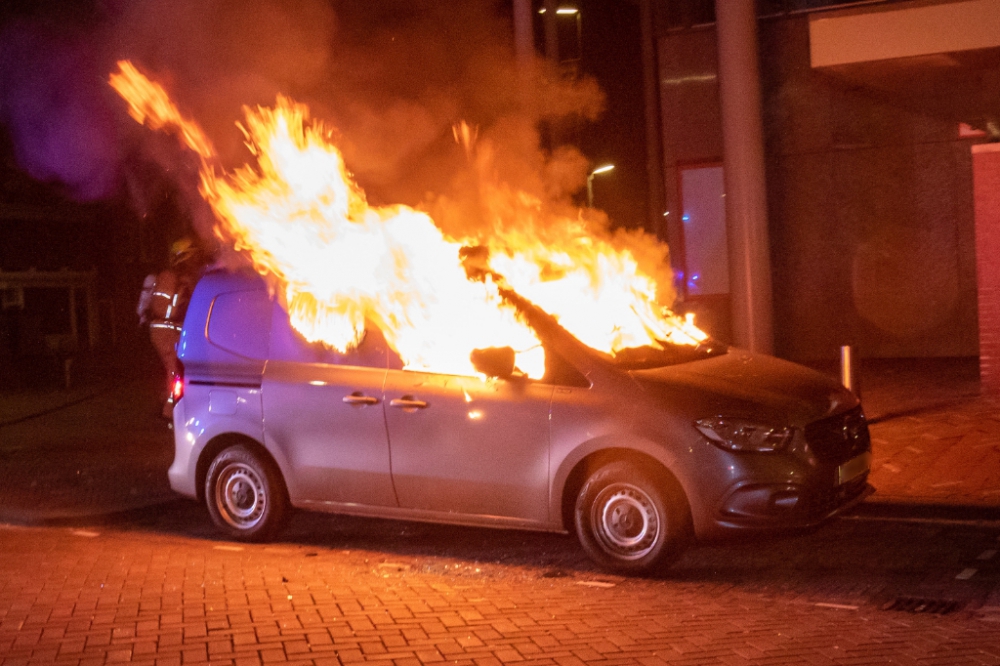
921	509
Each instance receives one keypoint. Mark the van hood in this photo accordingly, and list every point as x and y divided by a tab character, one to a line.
741	383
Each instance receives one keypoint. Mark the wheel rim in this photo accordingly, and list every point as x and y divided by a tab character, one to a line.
625	521
241	496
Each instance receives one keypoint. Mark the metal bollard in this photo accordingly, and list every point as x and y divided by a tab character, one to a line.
848	370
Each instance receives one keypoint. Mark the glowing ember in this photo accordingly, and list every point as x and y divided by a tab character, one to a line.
303	222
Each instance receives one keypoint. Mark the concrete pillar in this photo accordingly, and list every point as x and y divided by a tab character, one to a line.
743	162
986	193
524	35
524	54
551	31
654	130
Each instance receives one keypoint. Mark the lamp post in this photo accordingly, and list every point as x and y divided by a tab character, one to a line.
590	182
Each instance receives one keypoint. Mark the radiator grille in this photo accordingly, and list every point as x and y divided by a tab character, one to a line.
839	438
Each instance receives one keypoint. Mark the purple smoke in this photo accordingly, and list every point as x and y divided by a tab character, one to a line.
55	104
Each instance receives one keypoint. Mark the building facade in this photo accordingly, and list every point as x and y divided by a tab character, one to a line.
871	114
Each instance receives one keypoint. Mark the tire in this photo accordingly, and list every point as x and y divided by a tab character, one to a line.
631	522
245	495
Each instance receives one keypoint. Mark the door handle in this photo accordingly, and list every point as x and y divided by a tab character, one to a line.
358	398
408	402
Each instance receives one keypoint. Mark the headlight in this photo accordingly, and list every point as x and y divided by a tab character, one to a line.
734	434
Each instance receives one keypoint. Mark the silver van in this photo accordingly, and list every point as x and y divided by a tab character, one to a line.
639	454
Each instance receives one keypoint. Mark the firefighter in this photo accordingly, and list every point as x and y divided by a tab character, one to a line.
163	302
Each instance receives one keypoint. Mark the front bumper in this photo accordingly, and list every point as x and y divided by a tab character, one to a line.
823	473
790	505
774	506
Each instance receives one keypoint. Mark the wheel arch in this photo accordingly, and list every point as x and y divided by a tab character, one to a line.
220	443
591	462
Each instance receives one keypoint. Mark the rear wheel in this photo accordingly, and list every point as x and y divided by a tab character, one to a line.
245	495
631	522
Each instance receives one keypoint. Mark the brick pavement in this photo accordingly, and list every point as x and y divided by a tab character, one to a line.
97	597
935	438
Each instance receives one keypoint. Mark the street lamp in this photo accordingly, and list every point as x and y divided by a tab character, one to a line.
590	182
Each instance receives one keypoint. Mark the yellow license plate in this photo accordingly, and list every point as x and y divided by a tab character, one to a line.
854	468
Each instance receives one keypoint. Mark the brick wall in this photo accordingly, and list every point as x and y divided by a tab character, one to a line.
986	187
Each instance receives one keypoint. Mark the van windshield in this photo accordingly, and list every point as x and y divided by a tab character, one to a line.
646	357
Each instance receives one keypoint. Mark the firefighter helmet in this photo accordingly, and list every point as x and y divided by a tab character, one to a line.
182	250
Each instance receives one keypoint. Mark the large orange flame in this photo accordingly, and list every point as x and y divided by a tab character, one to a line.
149	104
303	222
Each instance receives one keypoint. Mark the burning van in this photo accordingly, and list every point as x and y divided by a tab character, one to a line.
528	373
639	453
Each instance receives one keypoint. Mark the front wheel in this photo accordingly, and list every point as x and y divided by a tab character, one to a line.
631	522
245	495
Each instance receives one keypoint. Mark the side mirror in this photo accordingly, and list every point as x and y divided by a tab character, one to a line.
494	361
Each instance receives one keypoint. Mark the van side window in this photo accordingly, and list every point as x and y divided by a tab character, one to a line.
240	322
287	344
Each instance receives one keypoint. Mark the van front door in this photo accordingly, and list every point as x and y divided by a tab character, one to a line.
463	445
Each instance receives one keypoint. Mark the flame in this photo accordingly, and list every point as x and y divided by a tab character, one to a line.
149	104
342	264
597	289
